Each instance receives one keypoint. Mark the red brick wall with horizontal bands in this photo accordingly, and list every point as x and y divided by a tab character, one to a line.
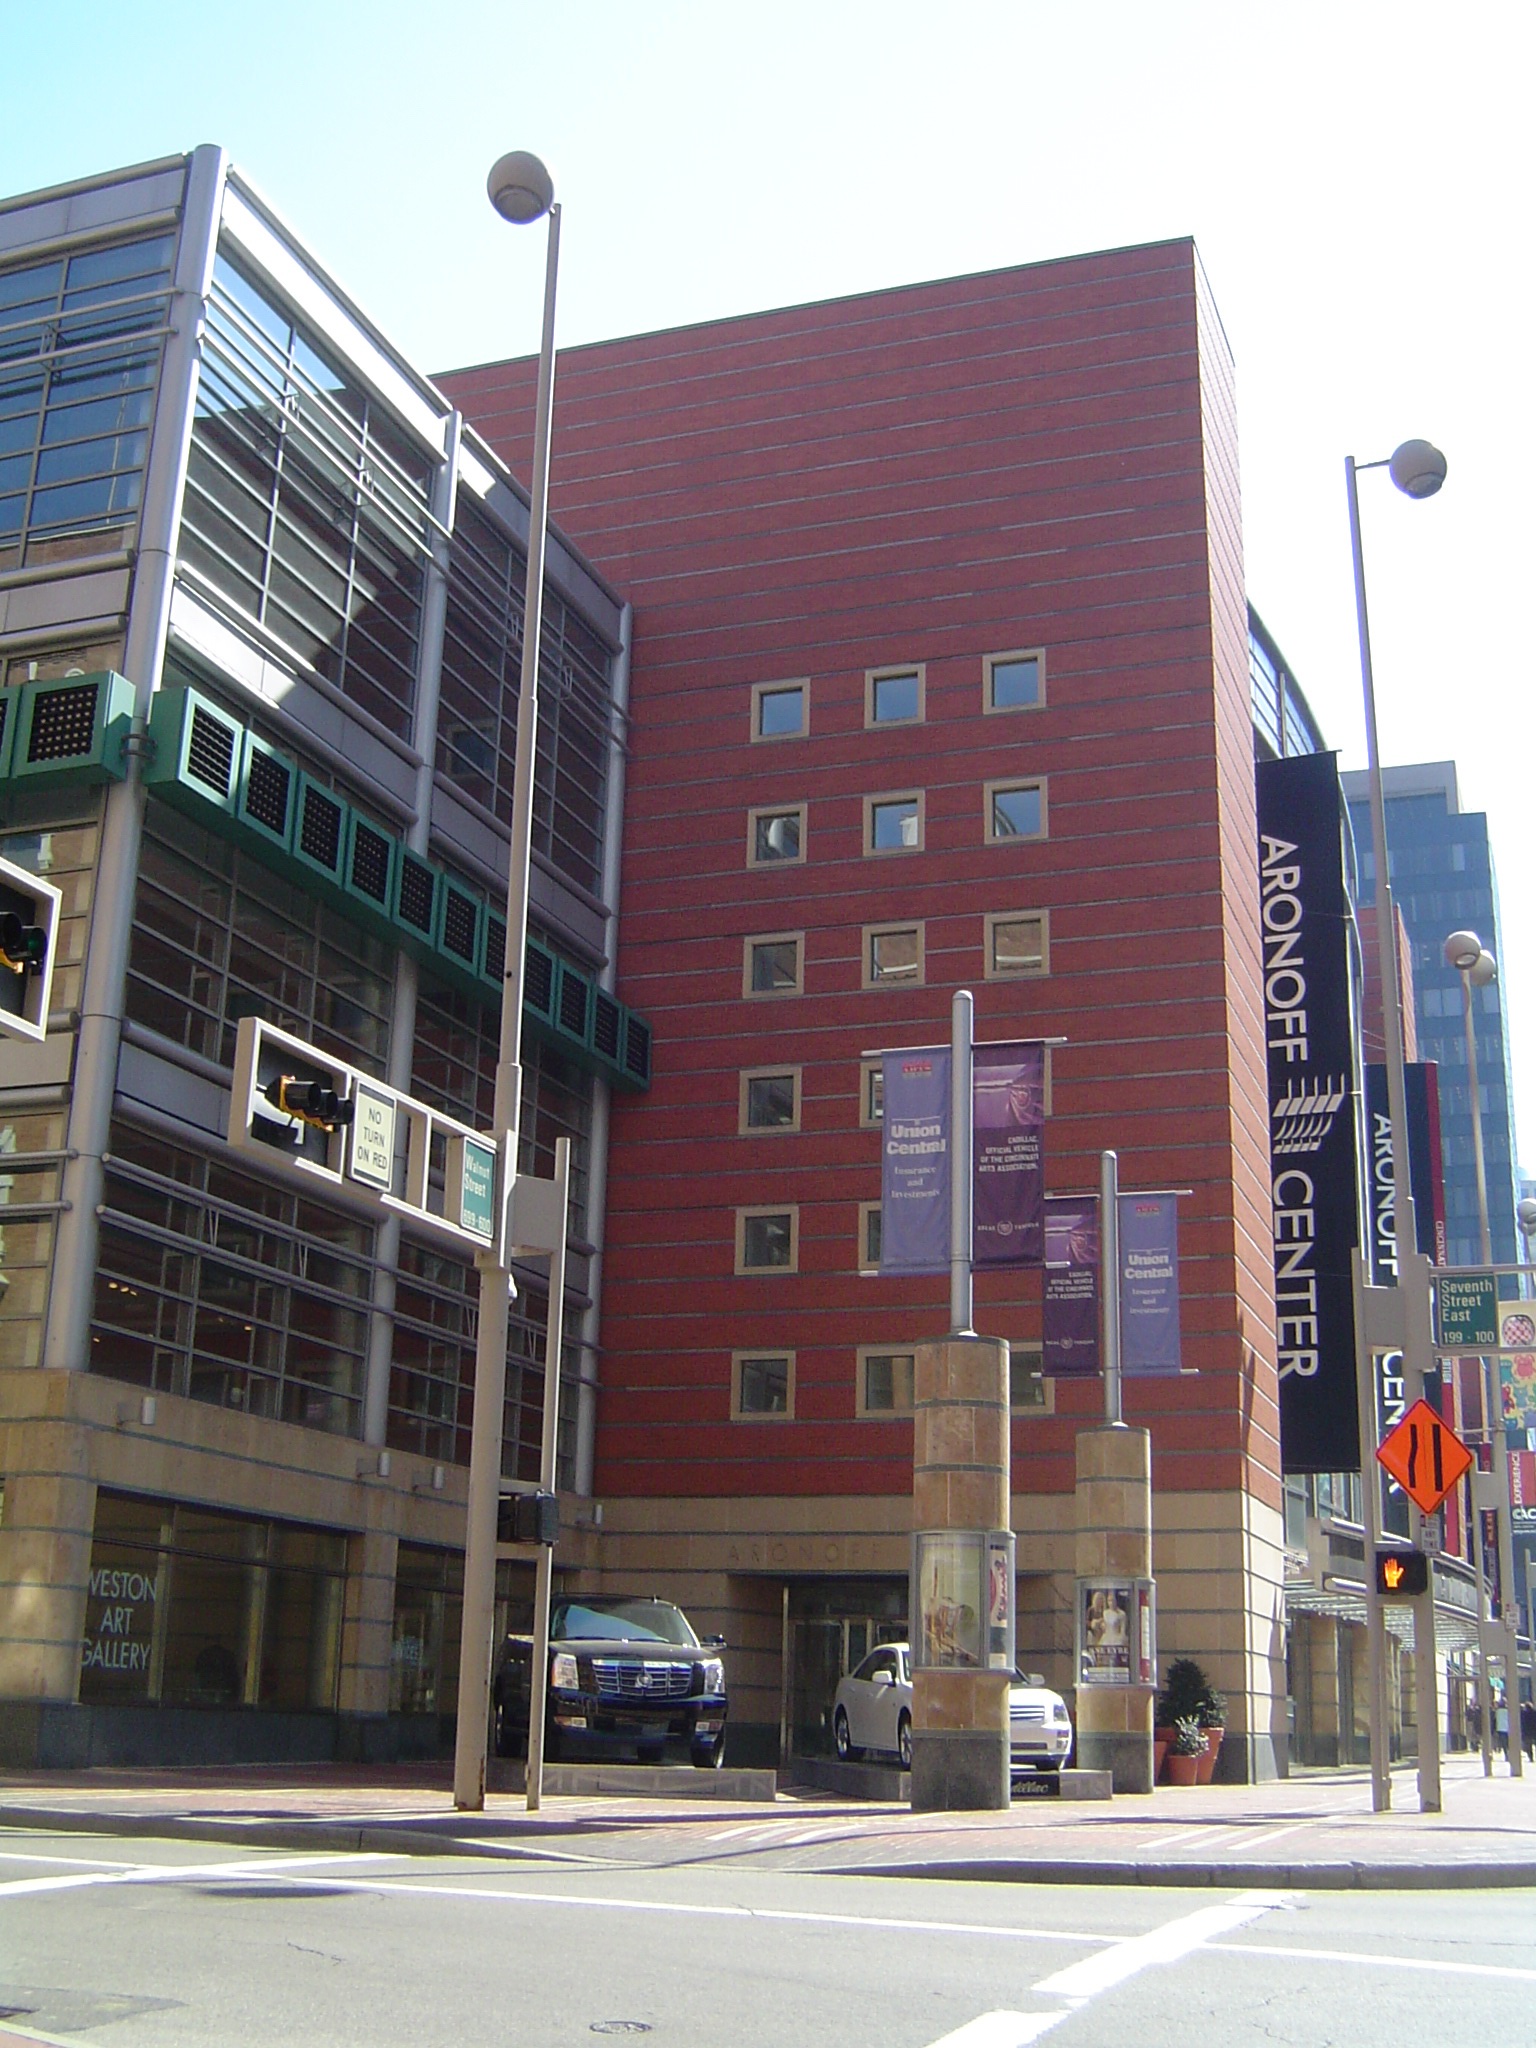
1043	457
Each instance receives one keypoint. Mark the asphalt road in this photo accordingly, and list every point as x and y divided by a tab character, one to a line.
142	1942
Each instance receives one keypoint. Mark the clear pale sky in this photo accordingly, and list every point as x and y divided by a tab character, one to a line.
1358	177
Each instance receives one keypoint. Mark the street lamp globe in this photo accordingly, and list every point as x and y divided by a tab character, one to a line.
1418	468
521	190
1463	950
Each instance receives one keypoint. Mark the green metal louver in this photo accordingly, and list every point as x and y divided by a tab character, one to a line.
72	731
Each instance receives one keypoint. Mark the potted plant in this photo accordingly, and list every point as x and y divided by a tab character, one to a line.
1212	1716
1185	1690
1185	1752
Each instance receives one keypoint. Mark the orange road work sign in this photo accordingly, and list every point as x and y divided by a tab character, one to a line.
1424	1456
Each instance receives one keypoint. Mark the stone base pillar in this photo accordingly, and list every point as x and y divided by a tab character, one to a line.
1114	1541
960	1482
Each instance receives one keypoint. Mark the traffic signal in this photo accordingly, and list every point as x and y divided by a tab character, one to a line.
29	921
1401	1574
528	1518
312	1102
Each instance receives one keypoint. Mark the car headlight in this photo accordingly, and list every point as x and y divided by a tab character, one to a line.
562	1672
712	1673
1059	1713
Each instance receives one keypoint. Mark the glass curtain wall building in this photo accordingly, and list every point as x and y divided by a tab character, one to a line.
260	633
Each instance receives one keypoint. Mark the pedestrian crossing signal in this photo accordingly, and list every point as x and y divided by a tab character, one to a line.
1401	1574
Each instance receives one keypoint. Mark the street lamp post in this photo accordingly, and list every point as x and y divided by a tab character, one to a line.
521	191
1466	952
1418	470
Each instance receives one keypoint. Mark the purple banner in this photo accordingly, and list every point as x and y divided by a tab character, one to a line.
1008	1116
1149	1285
914	1162
1070	1325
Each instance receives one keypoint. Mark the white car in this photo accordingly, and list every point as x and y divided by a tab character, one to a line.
872	1710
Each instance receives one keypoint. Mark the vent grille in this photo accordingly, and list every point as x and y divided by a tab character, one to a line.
538	978
628	1679
605	1025
320	829
268	782
63	723
459	925
637	1050
573	1006
417	895
496	948
370	863
210	750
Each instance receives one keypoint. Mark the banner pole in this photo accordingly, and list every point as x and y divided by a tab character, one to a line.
960	1140
1109	1282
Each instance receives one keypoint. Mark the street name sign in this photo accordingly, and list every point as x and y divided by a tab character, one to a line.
1424	1456
1466	1312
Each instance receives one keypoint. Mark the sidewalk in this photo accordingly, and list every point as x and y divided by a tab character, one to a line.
1314	1831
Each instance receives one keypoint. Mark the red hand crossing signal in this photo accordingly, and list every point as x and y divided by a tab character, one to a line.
1401	1574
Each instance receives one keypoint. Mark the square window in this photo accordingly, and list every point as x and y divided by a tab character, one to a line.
762	1385
893	696
1015	682
767	1240
773	964
780	711
1029	1391
893	953
893	824
774	836
770	1101
1017	943
869	1237
872	1092
1015	810
885	1381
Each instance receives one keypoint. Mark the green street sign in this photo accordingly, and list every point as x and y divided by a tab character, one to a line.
477	1188
1466	1313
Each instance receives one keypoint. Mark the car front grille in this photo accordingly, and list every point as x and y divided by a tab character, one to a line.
1028	1710
632	1678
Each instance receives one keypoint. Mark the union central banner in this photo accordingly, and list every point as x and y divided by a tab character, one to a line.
1008	1174
915	1159
1149	1285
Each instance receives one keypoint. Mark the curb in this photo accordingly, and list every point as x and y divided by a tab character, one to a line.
353	1837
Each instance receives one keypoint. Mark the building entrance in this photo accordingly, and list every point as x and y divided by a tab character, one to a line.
832	1624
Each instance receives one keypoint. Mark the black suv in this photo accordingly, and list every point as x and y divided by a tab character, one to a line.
624	1675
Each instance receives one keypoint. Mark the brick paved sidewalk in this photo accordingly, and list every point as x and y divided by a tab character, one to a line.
1314	1830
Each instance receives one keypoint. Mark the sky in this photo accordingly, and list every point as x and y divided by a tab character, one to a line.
1358	177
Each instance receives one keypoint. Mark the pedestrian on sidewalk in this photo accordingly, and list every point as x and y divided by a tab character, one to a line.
1528	1729
1501	1722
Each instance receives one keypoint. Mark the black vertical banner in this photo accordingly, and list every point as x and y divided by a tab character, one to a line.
1303	912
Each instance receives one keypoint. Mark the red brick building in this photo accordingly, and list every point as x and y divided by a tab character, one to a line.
939	680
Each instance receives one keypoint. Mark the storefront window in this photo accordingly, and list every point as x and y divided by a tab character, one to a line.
191	1607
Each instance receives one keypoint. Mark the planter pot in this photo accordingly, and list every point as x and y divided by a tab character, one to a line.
1207	1763
1182	1770
1159	1751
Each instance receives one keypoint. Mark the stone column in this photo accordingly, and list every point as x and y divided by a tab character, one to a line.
1114	1541
366	1642
960	1453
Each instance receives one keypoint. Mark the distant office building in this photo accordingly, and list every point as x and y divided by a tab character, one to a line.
1443	881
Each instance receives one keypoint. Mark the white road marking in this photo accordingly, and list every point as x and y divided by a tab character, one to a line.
1374	1961
1274	1834
81	1862
1165	1944
1183	1836
181	1873
1002	2030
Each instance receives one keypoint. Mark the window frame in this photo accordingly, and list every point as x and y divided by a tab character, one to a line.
770	995
865	1353
991	791
749	1357
889	672
747	1129
888	928
779	685
1036	1354
885	799
991	662
871	1072
867	1211
750	1213
992	921
759	812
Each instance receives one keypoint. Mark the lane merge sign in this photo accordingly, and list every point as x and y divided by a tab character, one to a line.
1424	1456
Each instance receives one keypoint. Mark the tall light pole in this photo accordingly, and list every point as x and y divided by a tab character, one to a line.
522	191
1418	470
1466	952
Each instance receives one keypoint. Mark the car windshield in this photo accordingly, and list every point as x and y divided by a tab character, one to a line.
621	1621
